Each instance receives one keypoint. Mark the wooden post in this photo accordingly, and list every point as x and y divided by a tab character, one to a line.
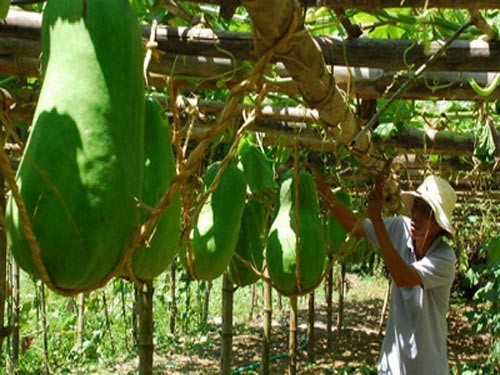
146	328
135	323
253	301
329	307
292	337
311	339
340	316
268	316
227	325
173	302
124	314
45	332
15	313
206	302
81	321
280	307
3	266
108	321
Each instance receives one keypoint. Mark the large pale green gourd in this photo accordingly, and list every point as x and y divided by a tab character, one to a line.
259	177
250	244
296	268
257	168
159	169
81	173
215	233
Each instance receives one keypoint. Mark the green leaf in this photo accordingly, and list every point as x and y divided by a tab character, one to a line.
4	8
335	233
485	147
494	250
387	32
385	130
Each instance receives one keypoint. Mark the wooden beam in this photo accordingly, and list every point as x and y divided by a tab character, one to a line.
443	142
387	54
377	4
197	72
365	83
362	4
289	125
394	54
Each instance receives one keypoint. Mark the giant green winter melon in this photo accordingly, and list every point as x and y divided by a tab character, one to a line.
81	173
159	169
250	246
295	252
257	168
259	177
215	232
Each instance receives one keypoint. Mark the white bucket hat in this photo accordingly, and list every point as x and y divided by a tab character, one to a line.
439	195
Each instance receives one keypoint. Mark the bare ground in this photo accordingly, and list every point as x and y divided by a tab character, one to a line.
356	345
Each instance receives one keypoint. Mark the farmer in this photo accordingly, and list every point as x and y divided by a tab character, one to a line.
422	267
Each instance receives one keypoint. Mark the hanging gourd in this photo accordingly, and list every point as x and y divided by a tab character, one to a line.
256	167
259	176
295	252
250	246
159	169
215	233
81	173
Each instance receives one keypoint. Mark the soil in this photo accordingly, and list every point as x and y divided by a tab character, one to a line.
356	345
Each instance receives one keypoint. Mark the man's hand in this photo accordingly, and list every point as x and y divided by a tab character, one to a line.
376	201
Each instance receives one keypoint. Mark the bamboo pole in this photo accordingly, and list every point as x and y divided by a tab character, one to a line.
311	338
268	316
481	23
329	307
8	349
80	326
292	337
287	126
173	302
15	313
135	315
108	321
146	328
3	266
342	290
45	327
253	301
124	314
280	307
20	38
206	302
197	72
227	325
378	4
